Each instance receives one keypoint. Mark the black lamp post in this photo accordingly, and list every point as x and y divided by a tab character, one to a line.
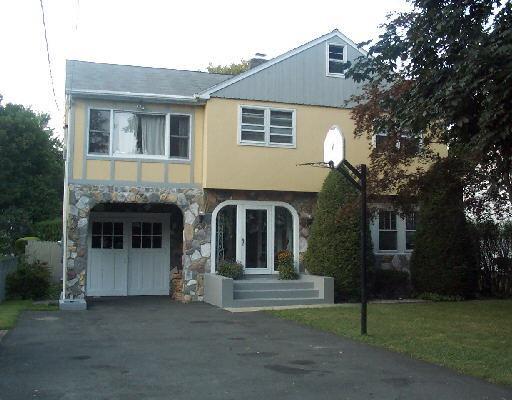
361	187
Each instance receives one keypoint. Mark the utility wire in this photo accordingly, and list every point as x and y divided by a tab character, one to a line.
48	56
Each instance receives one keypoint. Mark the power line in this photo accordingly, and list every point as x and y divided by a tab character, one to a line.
48	56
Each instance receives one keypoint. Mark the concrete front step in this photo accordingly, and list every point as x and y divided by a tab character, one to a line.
276	294
276	302
271	284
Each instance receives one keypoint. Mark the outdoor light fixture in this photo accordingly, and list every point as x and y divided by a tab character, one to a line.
334	158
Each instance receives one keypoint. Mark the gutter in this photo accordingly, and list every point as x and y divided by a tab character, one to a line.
159	98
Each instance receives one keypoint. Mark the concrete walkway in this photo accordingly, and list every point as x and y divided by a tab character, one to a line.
151	348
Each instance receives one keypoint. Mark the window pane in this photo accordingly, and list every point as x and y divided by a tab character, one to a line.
99	120
409	240
157	228
410	145
118	228
256	128
226	235
281	118
107	242
180	125
99	142
136	229
96	228
335	52
135	242
96	242
127	135
152	134
157	242
282	131
178	147
387	220
107	228
410	221
146	228
118	242
283	237
253	119
146	242
255	238
253	136
387	240
335	67
281	139
380	142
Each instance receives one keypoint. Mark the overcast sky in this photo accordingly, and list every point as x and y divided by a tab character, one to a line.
170	34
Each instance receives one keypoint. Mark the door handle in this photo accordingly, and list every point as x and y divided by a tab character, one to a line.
243	242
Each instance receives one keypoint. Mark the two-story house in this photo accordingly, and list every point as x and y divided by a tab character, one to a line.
183	169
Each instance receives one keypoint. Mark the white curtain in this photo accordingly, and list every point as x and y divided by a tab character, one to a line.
153	134
125	133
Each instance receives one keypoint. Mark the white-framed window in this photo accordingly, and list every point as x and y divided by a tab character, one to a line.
265	126
387	231
119	133
336	57
410	230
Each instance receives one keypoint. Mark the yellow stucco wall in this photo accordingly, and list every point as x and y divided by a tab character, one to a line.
232	166
126	170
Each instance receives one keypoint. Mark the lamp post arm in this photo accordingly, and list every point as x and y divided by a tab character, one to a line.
344	172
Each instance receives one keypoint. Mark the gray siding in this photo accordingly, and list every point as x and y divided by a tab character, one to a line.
300	79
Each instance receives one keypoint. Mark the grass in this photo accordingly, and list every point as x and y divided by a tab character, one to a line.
473	337
10	310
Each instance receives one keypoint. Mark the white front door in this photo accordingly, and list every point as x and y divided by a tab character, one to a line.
254	238
129	254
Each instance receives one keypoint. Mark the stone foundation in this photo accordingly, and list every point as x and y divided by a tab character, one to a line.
196	233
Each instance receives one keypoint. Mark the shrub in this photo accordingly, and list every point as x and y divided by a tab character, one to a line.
444	259
231	270
21	243
50	229
334	243
391	284
29	281
495	258
285	266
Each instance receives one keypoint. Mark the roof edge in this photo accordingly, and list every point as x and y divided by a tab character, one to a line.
131	95
335	33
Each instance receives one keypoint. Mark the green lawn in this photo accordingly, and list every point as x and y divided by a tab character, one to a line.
473	337
10	310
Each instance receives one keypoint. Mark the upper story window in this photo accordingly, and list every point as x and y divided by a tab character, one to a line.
411	145
267	126
387	230
410	230
132	134
336	58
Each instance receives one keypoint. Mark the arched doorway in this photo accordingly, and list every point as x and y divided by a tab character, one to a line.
132	248
252	233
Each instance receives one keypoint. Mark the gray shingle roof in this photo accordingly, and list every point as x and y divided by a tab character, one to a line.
89	76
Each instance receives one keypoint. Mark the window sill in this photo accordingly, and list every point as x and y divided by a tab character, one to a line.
331	75
259	144
138	158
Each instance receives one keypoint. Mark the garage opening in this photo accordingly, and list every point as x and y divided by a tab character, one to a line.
132	248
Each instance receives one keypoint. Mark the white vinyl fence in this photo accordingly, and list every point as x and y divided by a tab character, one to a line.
7	265
46	252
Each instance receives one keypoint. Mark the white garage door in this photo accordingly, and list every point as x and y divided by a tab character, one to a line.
129	255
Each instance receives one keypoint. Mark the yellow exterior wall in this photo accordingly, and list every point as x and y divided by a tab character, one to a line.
179	173
126	170
98	170
233	166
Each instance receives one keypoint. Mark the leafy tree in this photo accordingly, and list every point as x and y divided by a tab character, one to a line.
31	172
444	260
232	69
442	72
334	244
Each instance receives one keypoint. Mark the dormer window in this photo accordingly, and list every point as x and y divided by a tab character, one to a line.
336	58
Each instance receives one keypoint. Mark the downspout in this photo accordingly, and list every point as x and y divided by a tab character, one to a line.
65	205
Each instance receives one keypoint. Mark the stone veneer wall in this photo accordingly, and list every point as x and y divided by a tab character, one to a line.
196	234
303	203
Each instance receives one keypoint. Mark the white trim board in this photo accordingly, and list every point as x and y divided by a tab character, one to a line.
334	34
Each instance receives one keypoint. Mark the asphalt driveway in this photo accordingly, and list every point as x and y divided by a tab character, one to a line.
151	348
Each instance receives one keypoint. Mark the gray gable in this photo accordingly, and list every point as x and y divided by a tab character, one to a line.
299	79
89	76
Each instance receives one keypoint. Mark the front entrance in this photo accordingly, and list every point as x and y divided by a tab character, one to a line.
252	233
129	254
